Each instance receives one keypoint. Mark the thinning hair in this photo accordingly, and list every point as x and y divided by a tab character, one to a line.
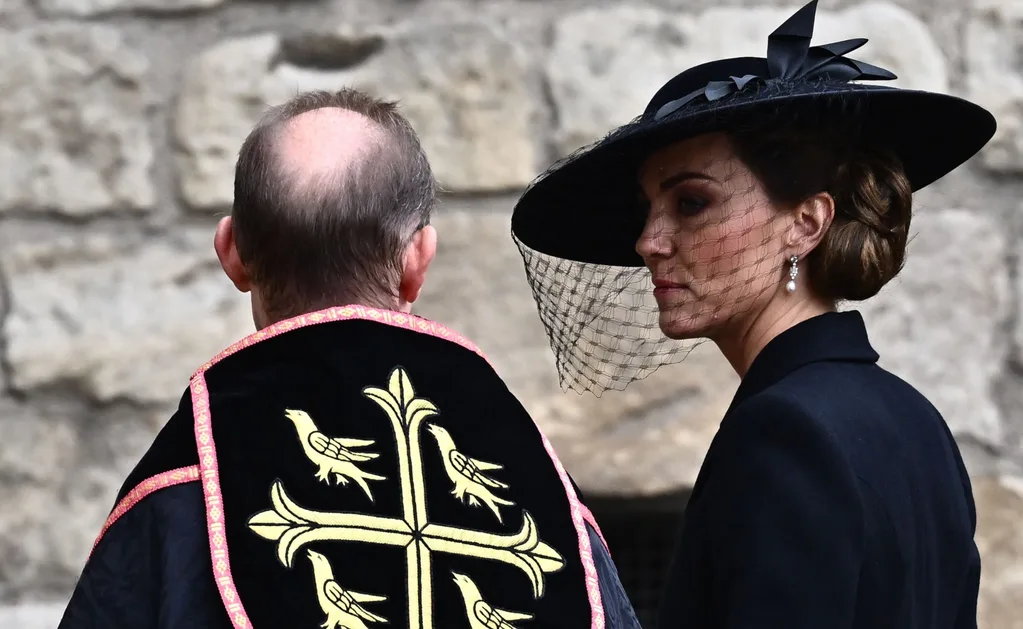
313	240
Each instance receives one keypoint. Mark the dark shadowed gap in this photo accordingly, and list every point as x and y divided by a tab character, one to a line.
641	534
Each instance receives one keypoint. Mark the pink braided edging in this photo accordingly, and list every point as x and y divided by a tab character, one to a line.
152	484
585	551
342	313
214	503
588	516
210	472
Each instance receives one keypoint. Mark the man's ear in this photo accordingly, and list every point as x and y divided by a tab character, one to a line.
227	252
811	221
418	256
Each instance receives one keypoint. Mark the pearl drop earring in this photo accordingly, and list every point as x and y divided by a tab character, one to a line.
793	272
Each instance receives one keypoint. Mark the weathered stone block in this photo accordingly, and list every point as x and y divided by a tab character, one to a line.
73	111
650	438
31	616
116	318
9	8
462	85
606	63
939	324
61	466
1000	541
88	8
993	77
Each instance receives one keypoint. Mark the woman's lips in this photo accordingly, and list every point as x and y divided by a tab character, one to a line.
666	287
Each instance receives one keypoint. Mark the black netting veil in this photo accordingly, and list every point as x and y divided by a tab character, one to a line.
673	228
703	225
601	321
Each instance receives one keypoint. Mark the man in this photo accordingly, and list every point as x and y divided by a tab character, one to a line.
349	465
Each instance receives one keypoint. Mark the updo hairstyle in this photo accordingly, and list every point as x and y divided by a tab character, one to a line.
797	156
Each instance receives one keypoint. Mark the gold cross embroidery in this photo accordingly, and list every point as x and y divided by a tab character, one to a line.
293	526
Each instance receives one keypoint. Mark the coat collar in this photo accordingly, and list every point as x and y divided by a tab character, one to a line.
833	336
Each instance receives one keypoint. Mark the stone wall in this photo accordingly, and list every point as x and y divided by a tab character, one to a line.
119	122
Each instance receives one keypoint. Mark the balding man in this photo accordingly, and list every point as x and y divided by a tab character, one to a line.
349	465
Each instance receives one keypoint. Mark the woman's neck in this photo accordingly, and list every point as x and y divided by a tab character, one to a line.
743	342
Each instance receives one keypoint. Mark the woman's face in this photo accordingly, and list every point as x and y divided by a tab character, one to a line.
712	239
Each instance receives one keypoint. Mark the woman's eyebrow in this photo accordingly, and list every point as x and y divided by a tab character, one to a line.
674	180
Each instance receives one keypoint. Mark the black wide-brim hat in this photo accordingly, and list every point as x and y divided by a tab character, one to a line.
586	207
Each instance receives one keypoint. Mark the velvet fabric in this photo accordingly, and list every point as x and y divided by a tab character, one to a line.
173	448
151	570
324	373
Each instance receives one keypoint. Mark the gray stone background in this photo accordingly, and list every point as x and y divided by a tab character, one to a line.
119	123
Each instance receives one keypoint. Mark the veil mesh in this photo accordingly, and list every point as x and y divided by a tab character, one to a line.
601	321
718	239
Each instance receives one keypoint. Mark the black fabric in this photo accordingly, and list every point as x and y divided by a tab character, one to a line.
173	448
832	496
323	371
152	570
618	610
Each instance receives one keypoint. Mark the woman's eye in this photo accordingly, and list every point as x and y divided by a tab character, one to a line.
691	206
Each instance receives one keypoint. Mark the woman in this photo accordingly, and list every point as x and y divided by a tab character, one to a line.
752	196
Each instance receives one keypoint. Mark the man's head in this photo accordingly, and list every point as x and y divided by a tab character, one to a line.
332	200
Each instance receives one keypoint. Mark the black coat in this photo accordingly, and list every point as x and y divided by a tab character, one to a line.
832	497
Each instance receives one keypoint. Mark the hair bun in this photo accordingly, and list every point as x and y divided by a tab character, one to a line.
865	248
795	157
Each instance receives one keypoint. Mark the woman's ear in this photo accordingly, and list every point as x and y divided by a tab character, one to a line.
810	223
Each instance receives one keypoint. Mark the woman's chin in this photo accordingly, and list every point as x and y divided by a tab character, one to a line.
678	325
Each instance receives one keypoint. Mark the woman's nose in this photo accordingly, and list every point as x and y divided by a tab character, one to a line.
655	241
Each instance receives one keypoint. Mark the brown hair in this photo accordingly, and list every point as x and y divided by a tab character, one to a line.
340	238
865	246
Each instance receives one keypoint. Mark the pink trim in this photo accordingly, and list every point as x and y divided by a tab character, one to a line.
209	469
341	313
214	512
143	489
588	516
585	551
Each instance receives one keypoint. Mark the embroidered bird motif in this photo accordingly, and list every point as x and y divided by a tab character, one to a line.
467	474
343	607
333	455
481	614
